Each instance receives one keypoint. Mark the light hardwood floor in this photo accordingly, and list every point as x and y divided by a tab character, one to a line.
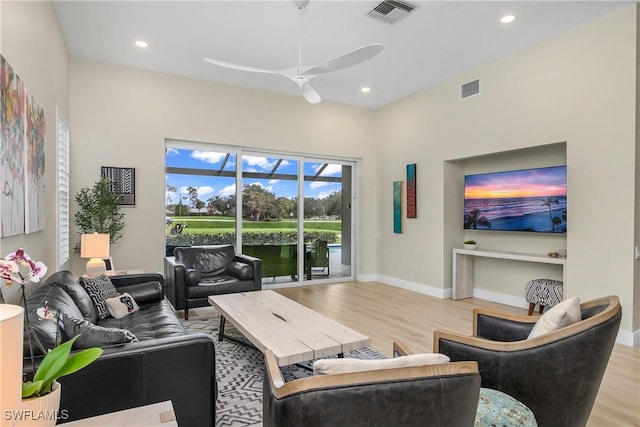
385	313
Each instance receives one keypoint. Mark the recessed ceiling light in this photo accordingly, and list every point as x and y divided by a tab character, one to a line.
141	43
507	19
365	89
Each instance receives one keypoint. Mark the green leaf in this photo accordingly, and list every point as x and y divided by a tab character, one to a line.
30	389
54	362
79	361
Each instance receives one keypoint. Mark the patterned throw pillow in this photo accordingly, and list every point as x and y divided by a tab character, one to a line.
121	306
99	289
93	335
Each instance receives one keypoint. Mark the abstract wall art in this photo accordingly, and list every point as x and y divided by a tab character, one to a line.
34	172
12	124
412	211
397	207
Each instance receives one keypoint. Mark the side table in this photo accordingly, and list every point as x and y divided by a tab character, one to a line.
154	415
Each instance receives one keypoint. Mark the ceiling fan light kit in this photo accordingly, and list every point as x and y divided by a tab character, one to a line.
300	74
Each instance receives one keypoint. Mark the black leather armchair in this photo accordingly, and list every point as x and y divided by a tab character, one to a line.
435	395
557	375
196	272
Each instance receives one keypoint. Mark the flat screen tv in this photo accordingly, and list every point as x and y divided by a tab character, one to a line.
532	200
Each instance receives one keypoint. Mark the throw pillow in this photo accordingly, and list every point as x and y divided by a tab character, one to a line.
343	366
99	289
559	316
121	306
93	335
240	270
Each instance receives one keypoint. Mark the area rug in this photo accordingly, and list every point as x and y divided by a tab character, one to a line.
239	371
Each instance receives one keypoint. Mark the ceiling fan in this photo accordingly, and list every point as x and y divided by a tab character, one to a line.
301	75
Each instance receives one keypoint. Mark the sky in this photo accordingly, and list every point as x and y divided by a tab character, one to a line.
540	182
209	186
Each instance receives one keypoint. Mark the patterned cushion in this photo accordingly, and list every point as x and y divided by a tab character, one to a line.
93	335
563	314
121	306
99	289
546	292
496	408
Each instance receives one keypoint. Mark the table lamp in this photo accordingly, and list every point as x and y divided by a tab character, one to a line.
11	327
96	247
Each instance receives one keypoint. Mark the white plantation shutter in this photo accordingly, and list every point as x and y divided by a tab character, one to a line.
62	232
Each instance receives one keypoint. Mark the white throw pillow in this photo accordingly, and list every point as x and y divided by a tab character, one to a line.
559	316
121	306
343	366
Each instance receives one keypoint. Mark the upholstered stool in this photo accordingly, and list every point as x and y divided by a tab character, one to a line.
496	408
545	292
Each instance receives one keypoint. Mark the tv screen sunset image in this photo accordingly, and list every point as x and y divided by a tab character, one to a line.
533	200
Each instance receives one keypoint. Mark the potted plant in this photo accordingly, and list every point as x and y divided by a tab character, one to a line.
41	395
470	244
99	212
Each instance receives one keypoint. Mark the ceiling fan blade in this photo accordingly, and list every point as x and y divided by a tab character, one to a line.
349	59
241	67
310	93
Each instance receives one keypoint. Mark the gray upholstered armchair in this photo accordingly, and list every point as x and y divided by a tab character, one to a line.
196	272
435	395
557	374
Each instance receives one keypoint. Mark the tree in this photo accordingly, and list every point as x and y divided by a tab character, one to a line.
285	207
171	189
99	212
333	204
548	202
257	201
193	196
473	218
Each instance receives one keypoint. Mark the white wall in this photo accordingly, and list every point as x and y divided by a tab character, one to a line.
33	45
580	88
121	117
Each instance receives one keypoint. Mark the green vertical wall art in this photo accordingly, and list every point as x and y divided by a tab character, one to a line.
397	207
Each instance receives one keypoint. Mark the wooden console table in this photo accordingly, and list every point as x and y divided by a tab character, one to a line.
462	278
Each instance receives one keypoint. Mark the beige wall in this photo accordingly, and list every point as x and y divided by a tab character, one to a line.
121	117
580	88
577	91
33	45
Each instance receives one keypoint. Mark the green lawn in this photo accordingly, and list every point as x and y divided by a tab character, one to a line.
208	224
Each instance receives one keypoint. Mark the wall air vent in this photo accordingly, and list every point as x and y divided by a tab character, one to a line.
391	10
470	89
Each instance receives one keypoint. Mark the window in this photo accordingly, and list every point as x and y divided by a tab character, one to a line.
62	186
225	195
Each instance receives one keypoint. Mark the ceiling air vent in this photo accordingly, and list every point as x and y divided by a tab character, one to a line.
391	10
470	89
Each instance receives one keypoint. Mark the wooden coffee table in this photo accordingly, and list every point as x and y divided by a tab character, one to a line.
292	331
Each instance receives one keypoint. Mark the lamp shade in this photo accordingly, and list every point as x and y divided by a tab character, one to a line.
11	327
94	245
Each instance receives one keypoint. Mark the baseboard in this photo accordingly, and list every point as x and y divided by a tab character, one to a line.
506	299
366	278
628	338
631	339
415	287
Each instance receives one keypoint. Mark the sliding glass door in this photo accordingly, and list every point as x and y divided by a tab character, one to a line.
327	220
270	214
311	241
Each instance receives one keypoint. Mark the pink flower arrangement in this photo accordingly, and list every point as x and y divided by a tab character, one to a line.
20	268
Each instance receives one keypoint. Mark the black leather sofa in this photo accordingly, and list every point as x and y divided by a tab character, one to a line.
165	363
196	272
